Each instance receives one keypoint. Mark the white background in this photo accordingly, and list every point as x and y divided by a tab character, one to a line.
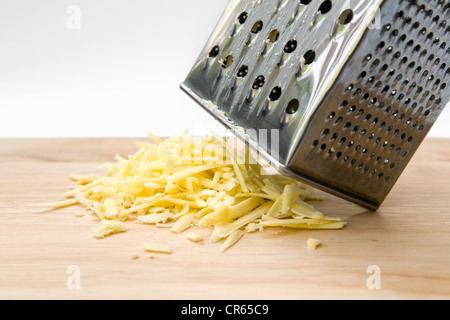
116	76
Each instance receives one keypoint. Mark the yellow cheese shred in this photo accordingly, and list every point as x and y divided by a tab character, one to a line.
232	239
312	243
157	247
194	237
185	182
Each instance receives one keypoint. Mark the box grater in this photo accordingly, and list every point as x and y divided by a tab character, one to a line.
348	88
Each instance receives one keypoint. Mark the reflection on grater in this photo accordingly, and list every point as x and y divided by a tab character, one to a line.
347	90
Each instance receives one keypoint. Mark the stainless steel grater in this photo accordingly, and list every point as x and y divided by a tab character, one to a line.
350	87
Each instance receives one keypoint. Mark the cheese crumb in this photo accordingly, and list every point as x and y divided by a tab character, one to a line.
194	237
157	247
107	227
134	256
312	243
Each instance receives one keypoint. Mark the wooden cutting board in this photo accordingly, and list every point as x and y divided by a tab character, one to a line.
401	251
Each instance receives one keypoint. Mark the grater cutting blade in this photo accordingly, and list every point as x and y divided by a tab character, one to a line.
347	89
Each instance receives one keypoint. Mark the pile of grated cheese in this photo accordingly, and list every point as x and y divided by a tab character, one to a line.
186	181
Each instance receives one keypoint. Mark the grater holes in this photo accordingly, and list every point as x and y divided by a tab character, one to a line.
349	87
359	113
375	63
257	27
367	58
214	52
403	61
436	41
423	53
436	19
351	109
409	44
378	84
331	116
325	132
309	57
242	72
334	136
346	17
325	7
389	50
273	35
275	94
305	2
395	33
423	31
259	82
357	92
227	62
290	46
343	104
292	106
243	17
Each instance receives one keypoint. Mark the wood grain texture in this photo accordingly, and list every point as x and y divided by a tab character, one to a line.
408	239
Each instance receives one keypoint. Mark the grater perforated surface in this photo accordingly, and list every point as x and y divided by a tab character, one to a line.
351	88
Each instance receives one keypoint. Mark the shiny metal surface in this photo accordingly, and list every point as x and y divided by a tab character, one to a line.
315	71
